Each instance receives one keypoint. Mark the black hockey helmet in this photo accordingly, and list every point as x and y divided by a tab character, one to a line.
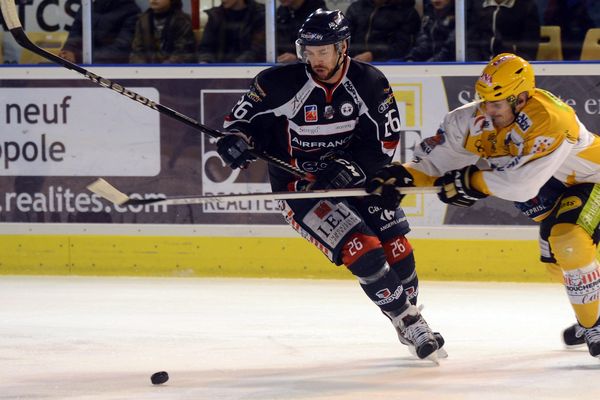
322	28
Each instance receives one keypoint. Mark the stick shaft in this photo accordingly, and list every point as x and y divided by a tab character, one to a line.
315	194
107	191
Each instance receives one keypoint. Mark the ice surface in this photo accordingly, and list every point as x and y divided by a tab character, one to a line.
102	338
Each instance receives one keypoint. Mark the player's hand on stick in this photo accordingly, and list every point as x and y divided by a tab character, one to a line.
385	183
456	187
339	174
235	150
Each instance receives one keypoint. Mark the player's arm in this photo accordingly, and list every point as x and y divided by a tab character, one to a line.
521	178
242	134
432	158
378	130
543	150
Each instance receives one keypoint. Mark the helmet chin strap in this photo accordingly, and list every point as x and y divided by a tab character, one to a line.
338	65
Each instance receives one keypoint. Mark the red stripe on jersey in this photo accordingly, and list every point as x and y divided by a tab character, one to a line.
390	145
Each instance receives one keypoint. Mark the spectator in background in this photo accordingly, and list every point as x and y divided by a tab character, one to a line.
436	40
163	35
291	14
502	26
382	30
234	33
113	24
574	21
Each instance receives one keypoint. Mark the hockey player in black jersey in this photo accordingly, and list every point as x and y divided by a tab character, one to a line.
336	119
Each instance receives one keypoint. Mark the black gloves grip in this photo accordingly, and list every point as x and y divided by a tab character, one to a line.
456	187
385	182
235	151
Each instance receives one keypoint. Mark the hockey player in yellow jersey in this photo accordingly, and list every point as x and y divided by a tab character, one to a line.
520	143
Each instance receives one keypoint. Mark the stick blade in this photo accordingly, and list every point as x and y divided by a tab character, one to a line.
9	12
107	191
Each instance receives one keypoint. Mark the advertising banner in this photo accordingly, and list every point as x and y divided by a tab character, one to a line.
60	135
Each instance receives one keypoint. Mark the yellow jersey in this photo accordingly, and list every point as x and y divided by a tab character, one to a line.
545	140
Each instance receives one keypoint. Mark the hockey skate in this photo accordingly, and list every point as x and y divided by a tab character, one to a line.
592	338
441	352
414	332
573	336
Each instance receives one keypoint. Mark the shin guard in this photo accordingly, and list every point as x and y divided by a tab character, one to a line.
365	258
575	253
400	256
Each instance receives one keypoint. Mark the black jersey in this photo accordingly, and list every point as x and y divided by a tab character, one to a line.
303	121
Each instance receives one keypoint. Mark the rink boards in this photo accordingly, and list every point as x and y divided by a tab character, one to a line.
61	132
449	253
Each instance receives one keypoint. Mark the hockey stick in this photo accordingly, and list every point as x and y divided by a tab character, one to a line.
107	191
9	12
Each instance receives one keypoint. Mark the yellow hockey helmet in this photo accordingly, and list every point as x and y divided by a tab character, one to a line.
505	77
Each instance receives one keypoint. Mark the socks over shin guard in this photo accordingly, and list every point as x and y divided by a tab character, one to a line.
407	273
378	280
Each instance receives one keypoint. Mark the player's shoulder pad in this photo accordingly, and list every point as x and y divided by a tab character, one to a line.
364	72
280	79
463	114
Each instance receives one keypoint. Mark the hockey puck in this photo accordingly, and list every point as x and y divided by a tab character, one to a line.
159	378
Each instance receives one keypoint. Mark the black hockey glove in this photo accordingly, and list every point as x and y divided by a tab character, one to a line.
456	187
339	174
384	183
235	151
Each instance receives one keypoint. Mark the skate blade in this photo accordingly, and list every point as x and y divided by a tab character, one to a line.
574	346
442	353
433	357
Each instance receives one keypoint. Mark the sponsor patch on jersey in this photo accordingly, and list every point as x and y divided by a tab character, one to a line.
428	144
569	204
523	121
331	222
346	109
255	93
310	113
253	96
352	91
385	104
541	144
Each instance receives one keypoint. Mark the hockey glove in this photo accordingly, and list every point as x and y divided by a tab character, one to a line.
456	187
339	174
384	185
235	151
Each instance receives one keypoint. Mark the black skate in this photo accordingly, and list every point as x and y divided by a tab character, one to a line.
573	336
441	352
592	338
414	332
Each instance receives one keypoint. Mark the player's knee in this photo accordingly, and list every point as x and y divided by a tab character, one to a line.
572	246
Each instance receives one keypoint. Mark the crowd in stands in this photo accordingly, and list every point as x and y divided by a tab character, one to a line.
381	30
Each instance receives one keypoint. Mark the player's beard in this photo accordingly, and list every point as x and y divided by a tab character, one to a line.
321	71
